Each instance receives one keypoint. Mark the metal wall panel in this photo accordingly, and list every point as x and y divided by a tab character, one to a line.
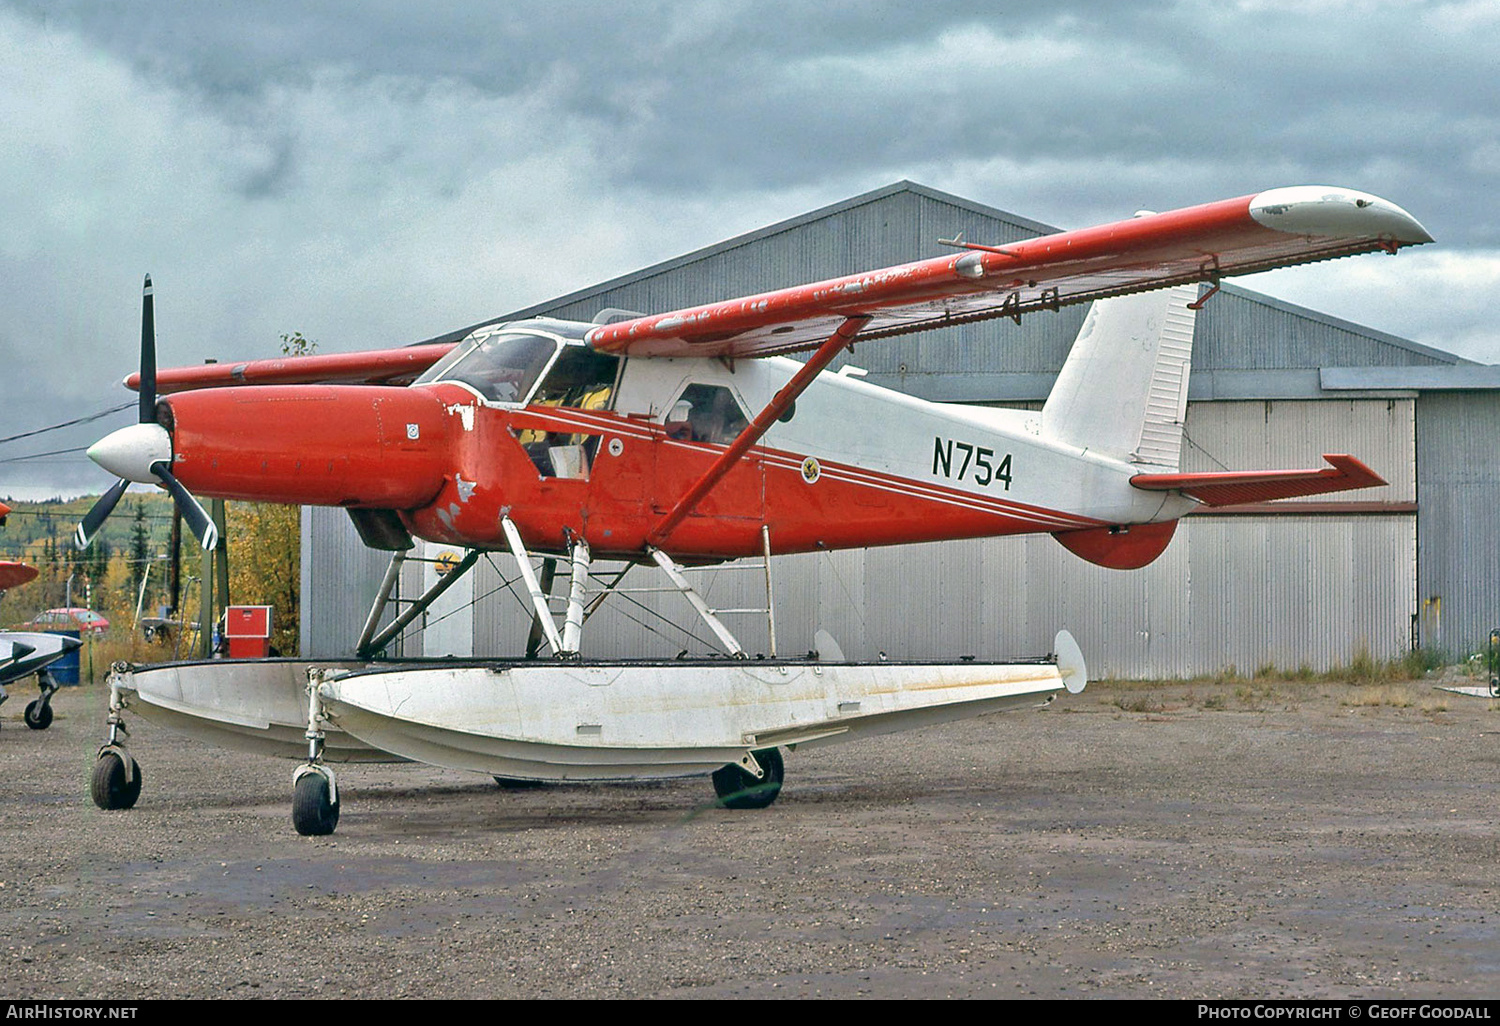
1288	434
1241	592
840	580
340	578
1238	330
1458	530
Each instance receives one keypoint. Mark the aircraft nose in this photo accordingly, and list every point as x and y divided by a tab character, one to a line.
130	451
1329	210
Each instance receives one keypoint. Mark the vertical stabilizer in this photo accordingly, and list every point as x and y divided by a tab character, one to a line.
1123	390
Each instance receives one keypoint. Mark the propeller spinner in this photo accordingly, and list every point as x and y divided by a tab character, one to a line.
143	452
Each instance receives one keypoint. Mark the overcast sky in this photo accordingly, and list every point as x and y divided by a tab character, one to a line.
373	173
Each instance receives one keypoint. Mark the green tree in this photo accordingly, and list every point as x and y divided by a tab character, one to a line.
265	565
295	345
140	550
96	562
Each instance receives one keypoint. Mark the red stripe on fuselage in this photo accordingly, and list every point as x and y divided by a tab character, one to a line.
845	507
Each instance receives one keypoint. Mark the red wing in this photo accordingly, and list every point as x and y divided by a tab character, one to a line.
1203	243
374	367
1234	488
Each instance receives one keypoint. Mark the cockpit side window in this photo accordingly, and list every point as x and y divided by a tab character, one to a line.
502	368
581	378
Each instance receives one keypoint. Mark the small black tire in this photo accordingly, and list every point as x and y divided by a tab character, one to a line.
109	788
313	814
517	784
38	715
737	789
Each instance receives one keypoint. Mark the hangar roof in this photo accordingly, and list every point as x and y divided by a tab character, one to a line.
1246	346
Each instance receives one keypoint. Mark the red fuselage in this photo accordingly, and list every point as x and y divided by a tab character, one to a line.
451	466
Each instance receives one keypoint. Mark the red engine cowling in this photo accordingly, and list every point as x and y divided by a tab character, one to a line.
374	447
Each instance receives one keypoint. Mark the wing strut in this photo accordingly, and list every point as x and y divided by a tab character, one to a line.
841	339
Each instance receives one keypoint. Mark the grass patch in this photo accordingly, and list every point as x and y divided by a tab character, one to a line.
1255	697
1138	703
1374	696
100	653
1378	683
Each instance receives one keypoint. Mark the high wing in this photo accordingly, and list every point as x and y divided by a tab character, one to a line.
1277	228
1232	488
1271	229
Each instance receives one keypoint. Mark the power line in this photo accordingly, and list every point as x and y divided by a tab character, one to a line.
63	514
44	455
69	423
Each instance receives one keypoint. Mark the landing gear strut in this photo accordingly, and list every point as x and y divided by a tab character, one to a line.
315	792
116	783
39	713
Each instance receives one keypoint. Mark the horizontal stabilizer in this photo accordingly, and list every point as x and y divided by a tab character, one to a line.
1235	487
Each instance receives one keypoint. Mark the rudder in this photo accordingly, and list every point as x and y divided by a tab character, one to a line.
1123	390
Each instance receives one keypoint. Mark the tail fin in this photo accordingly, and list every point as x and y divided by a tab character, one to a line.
1123	390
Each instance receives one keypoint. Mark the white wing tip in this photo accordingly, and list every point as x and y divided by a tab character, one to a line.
1335	211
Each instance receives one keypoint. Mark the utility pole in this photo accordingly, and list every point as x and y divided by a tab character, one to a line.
174	568
215	582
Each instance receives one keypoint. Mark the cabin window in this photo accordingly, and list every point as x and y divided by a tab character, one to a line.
706	413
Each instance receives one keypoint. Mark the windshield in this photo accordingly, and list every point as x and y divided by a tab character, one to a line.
503	367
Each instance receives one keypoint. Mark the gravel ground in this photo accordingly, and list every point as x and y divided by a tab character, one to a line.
1252	840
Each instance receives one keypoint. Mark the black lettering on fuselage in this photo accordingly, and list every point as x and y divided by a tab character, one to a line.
976	463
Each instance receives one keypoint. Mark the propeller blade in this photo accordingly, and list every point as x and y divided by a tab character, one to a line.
148	355
131	447
94	519
192	514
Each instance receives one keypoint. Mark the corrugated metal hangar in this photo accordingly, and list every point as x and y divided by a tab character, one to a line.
1315	582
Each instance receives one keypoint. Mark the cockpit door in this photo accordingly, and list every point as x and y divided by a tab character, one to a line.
700	422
